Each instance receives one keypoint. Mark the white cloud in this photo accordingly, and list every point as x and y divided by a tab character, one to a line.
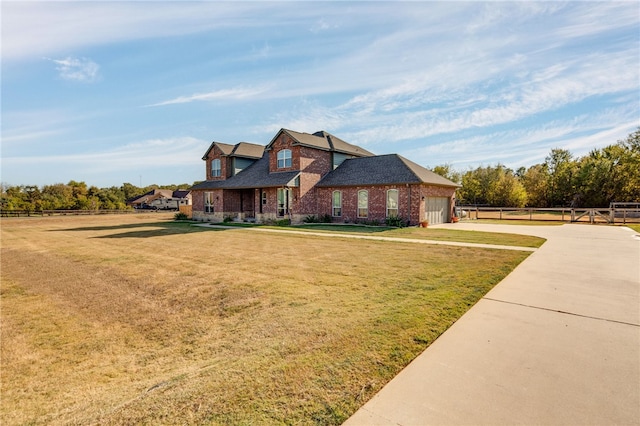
77	69
230	94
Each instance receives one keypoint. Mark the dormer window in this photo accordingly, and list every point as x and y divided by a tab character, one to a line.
215	168
284	158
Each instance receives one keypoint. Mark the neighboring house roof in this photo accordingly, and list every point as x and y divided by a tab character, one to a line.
155	194
181	193
255	176
322	140
382	170
242	149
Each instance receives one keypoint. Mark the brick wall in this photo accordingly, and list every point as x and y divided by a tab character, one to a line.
314	164
283	142
197	198
225	164
411	208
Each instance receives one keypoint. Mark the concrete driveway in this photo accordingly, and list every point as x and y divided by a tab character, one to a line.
557	342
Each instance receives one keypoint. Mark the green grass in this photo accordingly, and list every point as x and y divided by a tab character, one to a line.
132	320
634	227
436	234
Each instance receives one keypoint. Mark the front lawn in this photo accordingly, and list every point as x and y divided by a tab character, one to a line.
131	320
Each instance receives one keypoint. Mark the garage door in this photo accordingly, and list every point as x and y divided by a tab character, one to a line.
437	210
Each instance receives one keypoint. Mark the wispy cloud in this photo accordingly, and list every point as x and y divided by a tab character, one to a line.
157	152
77	69
169	160
228	94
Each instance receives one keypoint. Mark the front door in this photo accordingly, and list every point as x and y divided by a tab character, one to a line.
285	195
247	203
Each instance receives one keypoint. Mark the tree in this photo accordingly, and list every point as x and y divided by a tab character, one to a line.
534	180
494	186
58	196
446	171
560	182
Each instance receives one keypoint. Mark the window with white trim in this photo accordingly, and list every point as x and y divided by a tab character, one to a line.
392	203
216	170
284	158
337	203
363	203
208	202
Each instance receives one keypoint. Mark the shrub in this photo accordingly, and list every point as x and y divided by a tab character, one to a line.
311	219
180	216
326	218
283	222
394	221
227	219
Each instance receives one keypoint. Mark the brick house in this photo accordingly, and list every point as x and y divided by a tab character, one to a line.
300	174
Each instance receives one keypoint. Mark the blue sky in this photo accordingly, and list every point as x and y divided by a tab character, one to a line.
114	92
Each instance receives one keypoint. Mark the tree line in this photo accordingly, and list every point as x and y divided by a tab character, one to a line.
606	175
73	196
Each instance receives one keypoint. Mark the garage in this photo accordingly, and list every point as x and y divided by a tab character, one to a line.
437	210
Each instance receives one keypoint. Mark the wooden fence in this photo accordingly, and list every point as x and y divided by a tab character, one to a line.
188	210
577	215
41	213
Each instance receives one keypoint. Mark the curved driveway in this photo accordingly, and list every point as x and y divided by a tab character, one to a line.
557	342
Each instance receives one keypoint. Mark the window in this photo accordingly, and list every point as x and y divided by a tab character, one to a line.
208	202
215	168
263	200
392	203
284	158
284	201
363	203
337	203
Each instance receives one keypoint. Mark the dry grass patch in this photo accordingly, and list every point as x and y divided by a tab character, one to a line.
121	320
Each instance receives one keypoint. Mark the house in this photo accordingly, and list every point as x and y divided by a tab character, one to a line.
162	199
300	174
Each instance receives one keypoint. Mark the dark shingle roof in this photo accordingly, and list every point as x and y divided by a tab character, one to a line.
180	193
382	170
323	140
255	176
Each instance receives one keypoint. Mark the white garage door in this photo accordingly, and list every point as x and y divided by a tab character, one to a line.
437	210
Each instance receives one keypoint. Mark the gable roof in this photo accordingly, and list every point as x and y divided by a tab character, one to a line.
255	176
242	149
247	150
321	140
382	170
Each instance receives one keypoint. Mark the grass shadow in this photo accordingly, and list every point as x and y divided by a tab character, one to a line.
161	229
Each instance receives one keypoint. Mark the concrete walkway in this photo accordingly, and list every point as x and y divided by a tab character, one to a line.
557	342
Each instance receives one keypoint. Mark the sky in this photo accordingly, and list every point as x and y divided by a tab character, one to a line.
114	92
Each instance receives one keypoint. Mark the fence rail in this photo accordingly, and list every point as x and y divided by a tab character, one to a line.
577	215
28	213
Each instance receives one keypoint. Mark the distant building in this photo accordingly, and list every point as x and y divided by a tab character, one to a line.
162	199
